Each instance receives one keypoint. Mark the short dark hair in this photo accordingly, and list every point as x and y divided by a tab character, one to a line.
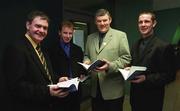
149	12
102	12
34	14
66	23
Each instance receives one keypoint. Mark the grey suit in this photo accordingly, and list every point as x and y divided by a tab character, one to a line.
115	48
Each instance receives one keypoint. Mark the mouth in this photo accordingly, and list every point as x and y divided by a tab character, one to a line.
40	34
143	29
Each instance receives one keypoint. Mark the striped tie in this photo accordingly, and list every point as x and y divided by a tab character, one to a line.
43	61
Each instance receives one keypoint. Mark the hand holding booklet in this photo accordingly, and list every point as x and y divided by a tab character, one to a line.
130	74
70	84
90	67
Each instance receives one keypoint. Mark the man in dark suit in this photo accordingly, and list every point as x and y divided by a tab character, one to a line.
28	72
147	90
64	55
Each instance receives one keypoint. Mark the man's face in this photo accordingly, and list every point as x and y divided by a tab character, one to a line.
103	23
37	29
66	34
146	25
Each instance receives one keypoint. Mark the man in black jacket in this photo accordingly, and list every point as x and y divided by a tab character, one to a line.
147	90
28	73
64	55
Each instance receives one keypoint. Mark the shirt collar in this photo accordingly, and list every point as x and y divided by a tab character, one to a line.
31	41
62	43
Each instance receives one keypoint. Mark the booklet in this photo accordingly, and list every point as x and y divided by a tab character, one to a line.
132	72
71	84
90	67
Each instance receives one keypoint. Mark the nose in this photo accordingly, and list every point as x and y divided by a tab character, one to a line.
102	22
41	29
143	23
69	35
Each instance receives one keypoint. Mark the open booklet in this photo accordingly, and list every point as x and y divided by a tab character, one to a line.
70	84
90	67
131	73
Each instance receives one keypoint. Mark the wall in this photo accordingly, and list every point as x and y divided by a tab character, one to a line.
126	15
165	4
168	21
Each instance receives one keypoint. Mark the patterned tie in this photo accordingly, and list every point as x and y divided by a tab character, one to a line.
43	61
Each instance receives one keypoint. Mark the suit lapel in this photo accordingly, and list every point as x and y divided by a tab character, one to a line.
35	58
148	48
96	42
106	40
62	53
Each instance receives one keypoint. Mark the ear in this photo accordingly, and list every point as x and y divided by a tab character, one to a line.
27	25
59	32
95	22
110	19
154	24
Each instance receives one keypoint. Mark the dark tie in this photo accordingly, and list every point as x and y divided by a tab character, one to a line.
43	61
101	37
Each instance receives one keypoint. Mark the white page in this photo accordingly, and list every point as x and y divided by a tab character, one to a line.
127	73
68	83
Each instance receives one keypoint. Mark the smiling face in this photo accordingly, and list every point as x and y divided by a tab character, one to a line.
66	33
146	25
103	23
37	29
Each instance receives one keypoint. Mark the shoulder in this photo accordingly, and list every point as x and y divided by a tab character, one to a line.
17	48
76	47
160	46
119	34
93	34
160	43
117	31
19	44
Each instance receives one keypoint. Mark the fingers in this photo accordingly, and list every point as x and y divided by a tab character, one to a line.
139	79
127	68
102	68
63	94
61	79
82	76
54	91
87	62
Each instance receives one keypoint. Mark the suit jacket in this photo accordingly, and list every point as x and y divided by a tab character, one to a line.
151	91
26	78
61	62
115	49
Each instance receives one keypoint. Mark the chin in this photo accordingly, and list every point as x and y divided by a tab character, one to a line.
103	31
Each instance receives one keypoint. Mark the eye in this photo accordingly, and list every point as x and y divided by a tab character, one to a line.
64	32
140	22
38	26
45	28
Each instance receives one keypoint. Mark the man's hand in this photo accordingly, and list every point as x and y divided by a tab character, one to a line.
139	79
58	92
61	79
87	62
103	67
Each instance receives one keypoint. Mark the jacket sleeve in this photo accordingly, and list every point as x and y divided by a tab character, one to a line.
161	72
124	55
